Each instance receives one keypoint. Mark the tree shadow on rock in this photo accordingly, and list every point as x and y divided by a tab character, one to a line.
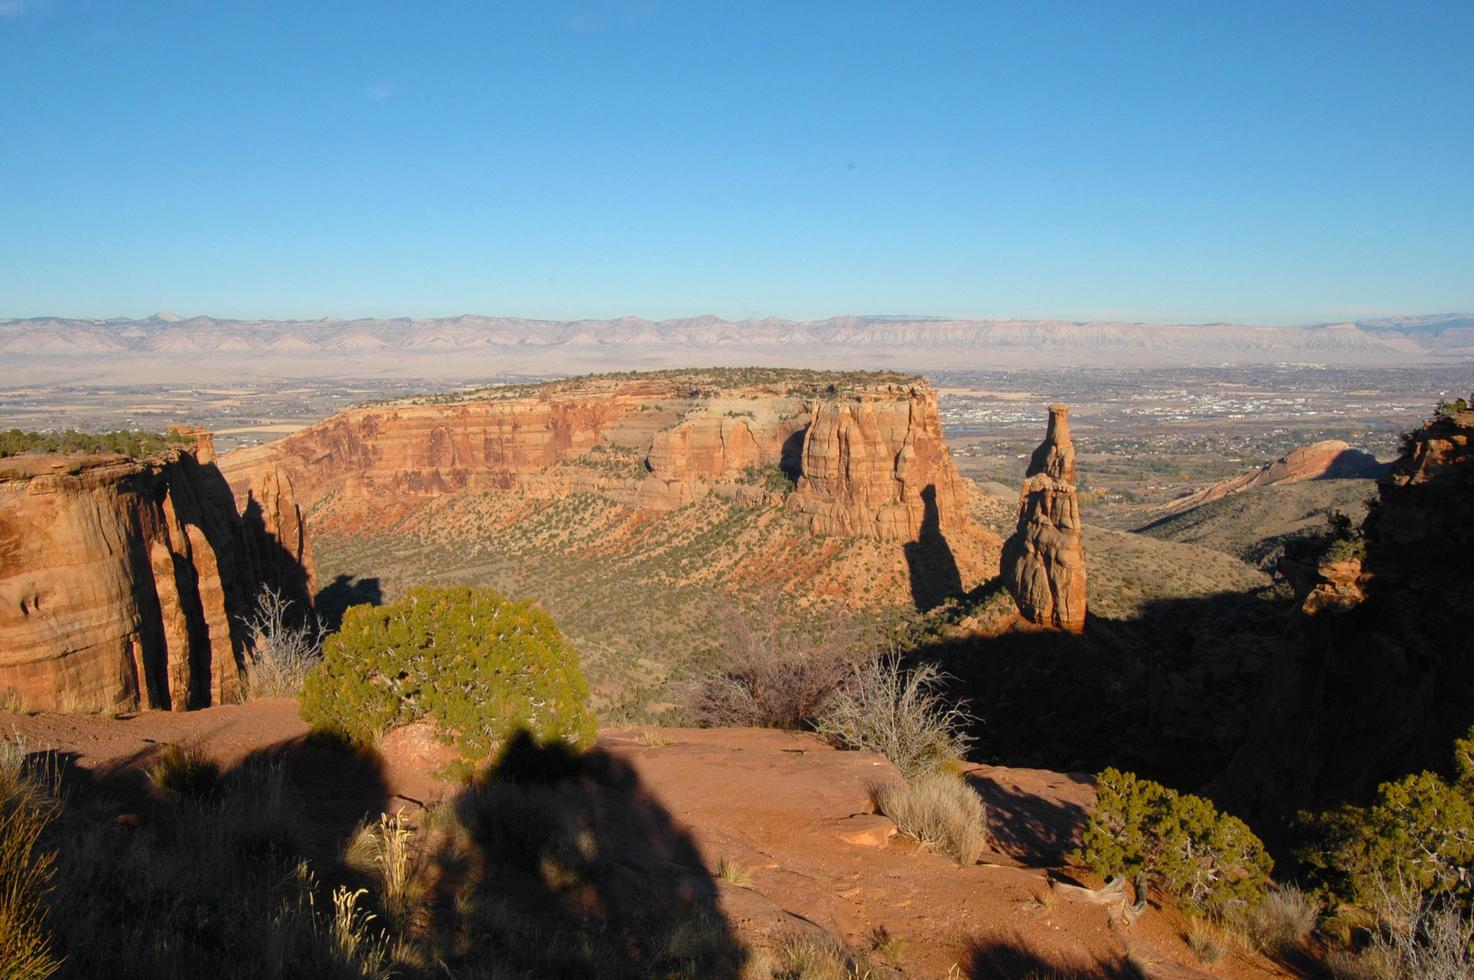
576	870
343	593
930	564
1011	958
1034	830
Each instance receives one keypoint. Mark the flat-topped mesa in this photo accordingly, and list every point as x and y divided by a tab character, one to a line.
1044	561
125	582
846	453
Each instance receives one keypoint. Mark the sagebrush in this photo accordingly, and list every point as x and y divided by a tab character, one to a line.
902	714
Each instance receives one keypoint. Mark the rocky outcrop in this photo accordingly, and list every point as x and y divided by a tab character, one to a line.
1044	562
875	465
855	460
1376	677
123	582
1331	459
851	455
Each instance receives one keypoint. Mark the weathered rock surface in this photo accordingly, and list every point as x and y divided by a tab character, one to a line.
1376	677
123	582
1044	561
865	459
1331	459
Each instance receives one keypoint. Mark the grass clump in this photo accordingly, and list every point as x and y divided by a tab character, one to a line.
734	873
938	810
1206	860
478	665
900	713
814	957
26	870
185	772
1279	923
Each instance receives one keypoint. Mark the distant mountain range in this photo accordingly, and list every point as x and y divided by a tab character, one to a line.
474	343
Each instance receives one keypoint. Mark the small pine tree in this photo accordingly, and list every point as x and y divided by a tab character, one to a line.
478	665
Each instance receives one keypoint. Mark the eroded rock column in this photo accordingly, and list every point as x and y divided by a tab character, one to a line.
1044	561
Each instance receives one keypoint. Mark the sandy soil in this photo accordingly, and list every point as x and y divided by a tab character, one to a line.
788	807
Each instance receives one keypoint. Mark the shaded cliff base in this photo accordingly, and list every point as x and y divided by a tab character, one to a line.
755	846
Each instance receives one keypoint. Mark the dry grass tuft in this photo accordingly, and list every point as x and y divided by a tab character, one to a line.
942	812
734	873
26	870
185	772
1280	922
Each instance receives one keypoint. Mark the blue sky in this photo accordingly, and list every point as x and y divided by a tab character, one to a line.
1268	162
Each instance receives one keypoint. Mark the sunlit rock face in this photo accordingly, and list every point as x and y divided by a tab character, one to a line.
1044	561
126	582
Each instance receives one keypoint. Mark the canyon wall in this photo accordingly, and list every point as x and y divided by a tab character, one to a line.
124	582
850	455
1376	675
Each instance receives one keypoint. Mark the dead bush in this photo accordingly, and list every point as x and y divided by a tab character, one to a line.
902	714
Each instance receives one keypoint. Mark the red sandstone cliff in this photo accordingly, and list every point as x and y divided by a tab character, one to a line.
1331	459
1376	677
1044	561
858	456
123	582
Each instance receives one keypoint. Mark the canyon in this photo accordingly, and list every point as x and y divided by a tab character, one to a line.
126	582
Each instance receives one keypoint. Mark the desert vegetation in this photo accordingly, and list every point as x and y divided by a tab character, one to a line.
125	442
285	645
477	665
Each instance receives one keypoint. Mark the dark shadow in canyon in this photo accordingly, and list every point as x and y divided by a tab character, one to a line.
791	458
342	594
930	564
1170	694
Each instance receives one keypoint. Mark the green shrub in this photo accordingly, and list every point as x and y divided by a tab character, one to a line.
1417	835
13	442
1206	860
478	665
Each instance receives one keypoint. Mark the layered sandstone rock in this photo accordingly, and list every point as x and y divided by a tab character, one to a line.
1376	677
124	582
875	465
1331	459
1044	562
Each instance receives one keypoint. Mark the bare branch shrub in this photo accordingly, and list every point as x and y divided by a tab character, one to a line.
938	810
775	676
283	647
902	714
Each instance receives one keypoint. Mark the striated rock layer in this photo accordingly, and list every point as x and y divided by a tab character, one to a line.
124	582
1044	562
1377	675
861	460
1331	459
848	455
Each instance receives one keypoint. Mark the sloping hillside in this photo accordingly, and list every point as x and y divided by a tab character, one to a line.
1254	524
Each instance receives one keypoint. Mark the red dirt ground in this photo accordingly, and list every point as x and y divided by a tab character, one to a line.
782	804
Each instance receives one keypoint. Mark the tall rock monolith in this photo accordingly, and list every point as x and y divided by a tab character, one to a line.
1044	561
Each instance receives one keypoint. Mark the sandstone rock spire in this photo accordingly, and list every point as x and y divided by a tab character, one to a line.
1044	562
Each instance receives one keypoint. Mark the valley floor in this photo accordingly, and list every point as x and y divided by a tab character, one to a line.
789	817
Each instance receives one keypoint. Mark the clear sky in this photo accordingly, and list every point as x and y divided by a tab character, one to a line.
1275	162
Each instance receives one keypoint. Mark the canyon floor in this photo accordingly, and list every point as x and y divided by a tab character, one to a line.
787	808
